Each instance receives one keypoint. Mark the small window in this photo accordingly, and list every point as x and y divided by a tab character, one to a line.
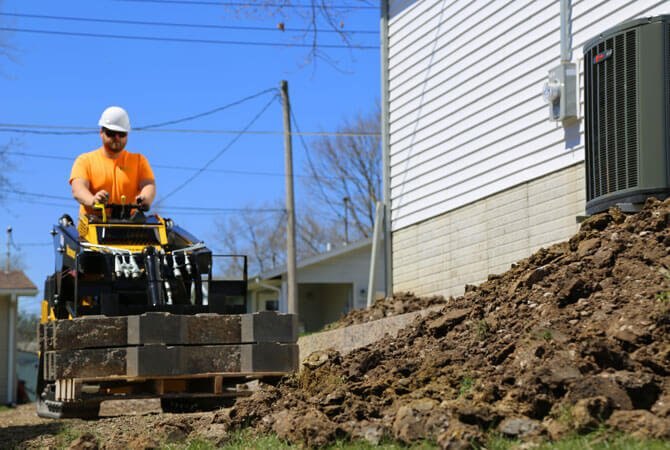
272	305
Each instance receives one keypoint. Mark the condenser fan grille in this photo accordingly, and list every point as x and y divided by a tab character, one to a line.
612	144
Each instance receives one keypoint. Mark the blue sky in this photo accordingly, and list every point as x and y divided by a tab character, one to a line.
64	81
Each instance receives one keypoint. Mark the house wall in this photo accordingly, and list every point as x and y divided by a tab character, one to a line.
479	177
351	268
259	299
4	330
466	115
441	255
321	304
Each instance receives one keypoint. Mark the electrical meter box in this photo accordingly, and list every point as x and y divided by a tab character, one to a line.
560	92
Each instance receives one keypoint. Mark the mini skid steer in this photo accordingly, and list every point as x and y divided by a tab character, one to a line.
133	310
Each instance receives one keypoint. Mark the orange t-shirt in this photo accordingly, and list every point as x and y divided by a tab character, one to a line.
120	176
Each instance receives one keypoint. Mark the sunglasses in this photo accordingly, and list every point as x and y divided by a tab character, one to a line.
112	133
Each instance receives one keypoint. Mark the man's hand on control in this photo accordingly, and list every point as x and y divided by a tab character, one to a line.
100	197
141	201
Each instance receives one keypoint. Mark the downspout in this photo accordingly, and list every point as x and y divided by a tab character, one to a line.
283	292
566	31
11	351
386	155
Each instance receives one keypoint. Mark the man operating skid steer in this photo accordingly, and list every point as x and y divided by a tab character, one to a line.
107	174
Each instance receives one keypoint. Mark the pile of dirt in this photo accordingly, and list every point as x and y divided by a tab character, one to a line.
400	303
571	338
575	337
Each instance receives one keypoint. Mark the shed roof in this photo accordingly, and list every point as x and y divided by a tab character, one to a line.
16	282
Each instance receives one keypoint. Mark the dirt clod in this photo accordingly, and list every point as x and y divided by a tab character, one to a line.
589	413
640	423
519	427
84	442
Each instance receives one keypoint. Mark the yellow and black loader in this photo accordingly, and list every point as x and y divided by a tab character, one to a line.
133	310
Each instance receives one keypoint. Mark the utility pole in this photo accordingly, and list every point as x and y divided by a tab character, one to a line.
9	239
292	296
346	220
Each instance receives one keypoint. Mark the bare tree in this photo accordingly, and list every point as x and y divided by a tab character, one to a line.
347	165
6	165
7	51
259	233
26	324
17	259
346	171
311	20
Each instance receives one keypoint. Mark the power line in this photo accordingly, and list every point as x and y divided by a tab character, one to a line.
171	167
221	152
45	203
243	4
188	41
141	128
37	155
33	194
202	209
79	130
207	113
208	209
183	25
32	244
311	165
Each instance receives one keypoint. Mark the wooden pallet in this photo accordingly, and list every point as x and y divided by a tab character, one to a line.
220	385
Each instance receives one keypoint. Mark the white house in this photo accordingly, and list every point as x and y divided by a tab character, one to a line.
477	176
329	285
13	284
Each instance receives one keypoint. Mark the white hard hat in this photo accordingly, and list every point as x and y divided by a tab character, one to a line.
115	118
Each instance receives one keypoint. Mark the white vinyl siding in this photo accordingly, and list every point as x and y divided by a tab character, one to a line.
466	115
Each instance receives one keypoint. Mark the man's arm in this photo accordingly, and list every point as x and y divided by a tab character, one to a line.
82	193
147	192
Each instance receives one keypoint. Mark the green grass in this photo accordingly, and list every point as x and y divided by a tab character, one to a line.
191	444
594	441
482	329
66	436
600	440
5	408
245	440
465	385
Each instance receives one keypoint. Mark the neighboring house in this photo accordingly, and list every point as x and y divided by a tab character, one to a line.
329	285
478	177
13	284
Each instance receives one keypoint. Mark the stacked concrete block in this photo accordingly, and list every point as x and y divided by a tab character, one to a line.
162	345
463	246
